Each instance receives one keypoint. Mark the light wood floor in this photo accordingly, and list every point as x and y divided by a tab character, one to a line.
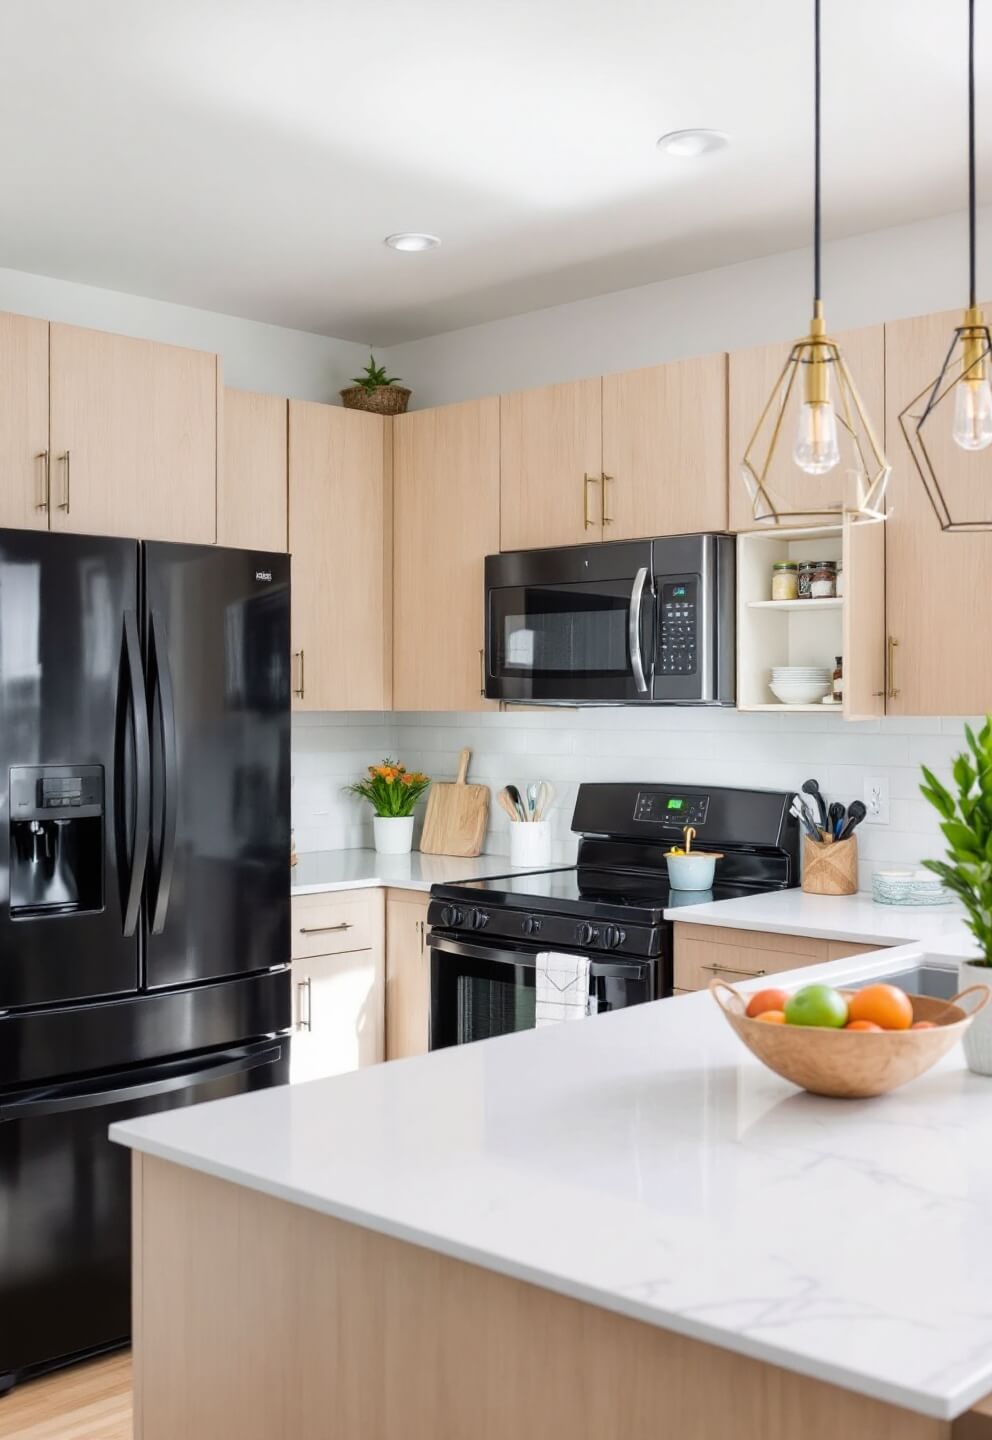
83	1402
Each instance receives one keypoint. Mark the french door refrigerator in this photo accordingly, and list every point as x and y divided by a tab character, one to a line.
144	891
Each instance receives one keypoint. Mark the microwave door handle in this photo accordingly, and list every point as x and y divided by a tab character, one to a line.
634	629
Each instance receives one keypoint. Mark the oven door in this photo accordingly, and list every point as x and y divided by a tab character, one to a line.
478	991
570	626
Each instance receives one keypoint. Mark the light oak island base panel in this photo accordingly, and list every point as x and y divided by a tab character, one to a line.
266	1321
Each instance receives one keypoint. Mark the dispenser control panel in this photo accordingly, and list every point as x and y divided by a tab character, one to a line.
53	791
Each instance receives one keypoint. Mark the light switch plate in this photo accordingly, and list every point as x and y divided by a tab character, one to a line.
876	798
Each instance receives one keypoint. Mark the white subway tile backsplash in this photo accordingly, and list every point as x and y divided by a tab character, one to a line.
720	747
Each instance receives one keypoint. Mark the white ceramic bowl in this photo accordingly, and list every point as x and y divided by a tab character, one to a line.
798	692
691	872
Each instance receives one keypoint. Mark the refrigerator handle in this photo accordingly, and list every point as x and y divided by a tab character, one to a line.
49	1101
131	688
162	687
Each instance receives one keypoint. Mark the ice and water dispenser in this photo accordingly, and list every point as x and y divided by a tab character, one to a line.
56	839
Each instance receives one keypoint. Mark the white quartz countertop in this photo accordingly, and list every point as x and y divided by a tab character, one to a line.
362	869
645	1162
831	917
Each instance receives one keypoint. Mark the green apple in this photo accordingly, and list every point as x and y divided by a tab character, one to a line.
816	1005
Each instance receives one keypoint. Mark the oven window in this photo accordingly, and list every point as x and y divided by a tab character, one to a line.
576	630
486	1005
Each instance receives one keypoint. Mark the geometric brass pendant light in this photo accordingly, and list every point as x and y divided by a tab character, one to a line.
836	455
960	399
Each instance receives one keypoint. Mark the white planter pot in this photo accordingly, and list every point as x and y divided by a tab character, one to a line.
978	1036
393	834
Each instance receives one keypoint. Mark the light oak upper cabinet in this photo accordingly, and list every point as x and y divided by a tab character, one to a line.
551	458
251	474
24	468
133	437
339	538
446	498
938	597
751	376
665	449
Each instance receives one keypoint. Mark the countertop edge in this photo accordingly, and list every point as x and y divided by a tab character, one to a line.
684	916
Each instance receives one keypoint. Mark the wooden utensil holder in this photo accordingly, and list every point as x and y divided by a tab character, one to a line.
830	869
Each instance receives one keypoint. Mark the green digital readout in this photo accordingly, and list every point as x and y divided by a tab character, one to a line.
678	590
676	804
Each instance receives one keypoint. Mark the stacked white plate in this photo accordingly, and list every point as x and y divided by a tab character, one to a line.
801	684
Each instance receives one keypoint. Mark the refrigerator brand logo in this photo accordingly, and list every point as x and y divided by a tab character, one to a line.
263	574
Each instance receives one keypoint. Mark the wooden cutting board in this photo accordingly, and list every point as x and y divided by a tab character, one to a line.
455	823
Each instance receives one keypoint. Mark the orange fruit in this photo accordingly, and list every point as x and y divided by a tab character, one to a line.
862	1025
923	1025
889	1007
766	1000
772	1017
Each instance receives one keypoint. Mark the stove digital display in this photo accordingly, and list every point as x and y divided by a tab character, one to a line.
661	807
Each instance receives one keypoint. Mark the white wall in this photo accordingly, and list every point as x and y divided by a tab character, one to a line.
909	270
256	357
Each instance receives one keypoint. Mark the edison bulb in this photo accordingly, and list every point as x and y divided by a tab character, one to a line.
816	450
973	414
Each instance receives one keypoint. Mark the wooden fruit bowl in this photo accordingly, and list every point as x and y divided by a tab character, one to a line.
852	1064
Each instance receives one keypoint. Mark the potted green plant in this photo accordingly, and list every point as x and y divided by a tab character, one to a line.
393	791
966	821
376	391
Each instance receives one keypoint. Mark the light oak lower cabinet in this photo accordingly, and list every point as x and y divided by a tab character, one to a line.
251	472
133	437
408	974
340	539
24	453
338	983
708	952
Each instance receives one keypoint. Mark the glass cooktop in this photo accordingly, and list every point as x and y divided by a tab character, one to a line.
589	890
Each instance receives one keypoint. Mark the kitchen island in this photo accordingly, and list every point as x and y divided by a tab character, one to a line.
621	1228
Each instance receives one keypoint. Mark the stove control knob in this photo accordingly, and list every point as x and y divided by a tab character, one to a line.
478	919
451	915
586	934
613	937
530	925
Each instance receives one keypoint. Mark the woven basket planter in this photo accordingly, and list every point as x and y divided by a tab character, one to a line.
384	400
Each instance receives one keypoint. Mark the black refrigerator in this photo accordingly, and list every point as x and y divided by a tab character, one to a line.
144	891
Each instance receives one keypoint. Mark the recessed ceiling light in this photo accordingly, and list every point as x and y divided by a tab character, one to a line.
412	240
688	144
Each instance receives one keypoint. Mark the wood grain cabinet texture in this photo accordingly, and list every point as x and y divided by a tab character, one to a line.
133	437
446	487
708	952
938	595
340	539
551	460
408	974
24	453
252	484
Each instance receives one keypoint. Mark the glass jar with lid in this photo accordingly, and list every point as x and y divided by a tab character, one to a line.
823	581
785	580
806	568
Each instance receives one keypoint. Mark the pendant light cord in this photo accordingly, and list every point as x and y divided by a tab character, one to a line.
971	150
816	150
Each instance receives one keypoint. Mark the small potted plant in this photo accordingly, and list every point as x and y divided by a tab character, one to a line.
966	820
375	390
393	791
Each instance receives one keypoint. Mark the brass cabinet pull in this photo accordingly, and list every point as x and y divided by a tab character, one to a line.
608	518
64	504
890	682
588	480
730	970
298	691
324	929
303	1014
46	459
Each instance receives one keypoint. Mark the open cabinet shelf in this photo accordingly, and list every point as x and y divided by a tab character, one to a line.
809	606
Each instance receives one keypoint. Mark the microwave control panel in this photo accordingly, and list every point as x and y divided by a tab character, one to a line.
669	808
678	627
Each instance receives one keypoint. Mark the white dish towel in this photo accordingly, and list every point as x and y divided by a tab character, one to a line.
562	985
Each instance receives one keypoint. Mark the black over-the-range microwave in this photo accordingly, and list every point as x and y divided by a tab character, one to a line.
633	622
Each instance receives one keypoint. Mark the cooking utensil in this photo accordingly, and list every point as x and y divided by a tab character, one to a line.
811	787
804	815
856	812
545	799
835	817
514	795
505	803
457	815
532	793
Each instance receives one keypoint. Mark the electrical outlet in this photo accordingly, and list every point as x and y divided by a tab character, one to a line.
876	799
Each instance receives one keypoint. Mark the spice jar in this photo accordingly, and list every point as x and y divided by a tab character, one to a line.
785	581
805	580
823	581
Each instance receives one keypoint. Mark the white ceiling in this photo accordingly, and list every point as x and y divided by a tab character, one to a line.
248	156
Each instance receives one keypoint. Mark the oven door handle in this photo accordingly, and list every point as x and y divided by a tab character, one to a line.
634	629
598	969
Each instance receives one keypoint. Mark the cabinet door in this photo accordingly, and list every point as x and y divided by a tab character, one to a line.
551	458
938	598
133	437
24	423
864	620
665	449
251	472
337	1013
446	521
751	375
408	975
339	539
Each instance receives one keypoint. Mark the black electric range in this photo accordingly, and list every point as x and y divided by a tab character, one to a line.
486	934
